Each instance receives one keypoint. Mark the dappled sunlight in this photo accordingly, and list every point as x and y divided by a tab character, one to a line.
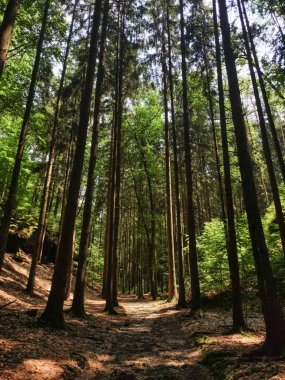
34	369
146	340
232	341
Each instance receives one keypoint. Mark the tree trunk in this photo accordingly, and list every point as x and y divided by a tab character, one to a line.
78	298
107	228
118	162
37	251
10	203
172	289
264	137
6	30
181	295
272	311
195	283
112	255
237	311
265	96
53	313
70	270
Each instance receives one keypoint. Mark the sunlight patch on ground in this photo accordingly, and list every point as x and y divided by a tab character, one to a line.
235	340
281	376
105	358
7	298
34	369
168	359
136	329
6	345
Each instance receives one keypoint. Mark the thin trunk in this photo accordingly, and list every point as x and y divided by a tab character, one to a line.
272	311
172	289
264	95
37	251
107	228
53	313
264	137
181	296
216	148
232	251
193	259
112	260
69	274
78	299
118	164
10	203
151	257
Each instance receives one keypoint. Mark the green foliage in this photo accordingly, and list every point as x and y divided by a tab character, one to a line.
213	257
272	235
213	261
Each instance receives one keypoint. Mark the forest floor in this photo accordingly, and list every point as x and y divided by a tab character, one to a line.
146	340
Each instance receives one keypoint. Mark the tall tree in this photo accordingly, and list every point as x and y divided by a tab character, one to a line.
6	30
238	318
53	313
114	202
268	110
38	247
179	241
264	136
10	202
194	273
271	308
172	289
77	308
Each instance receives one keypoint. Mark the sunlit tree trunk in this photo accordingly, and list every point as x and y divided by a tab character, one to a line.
113	203
172	289
181	296
194	274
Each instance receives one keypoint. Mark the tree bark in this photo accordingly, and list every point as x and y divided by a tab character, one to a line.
10	203
264	137
118	162
53	313
181	295
6	30
232	251
265	96
37	252
77	307
193	259
172	289
271	308
111	274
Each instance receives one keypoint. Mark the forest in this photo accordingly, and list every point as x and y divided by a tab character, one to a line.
142	189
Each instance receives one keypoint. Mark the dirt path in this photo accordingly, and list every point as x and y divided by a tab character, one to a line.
151	344
147	340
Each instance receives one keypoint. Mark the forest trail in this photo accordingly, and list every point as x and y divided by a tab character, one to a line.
146	340
151	344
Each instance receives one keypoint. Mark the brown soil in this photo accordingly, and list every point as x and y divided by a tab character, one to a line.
146	340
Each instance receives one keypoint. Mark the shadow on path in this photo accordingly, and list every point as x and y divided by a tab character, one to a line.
151	344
